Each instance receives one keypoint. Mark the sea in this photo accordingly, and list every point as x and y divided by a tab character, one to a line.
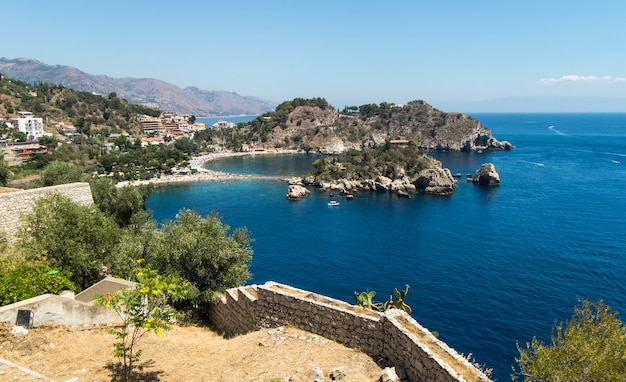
488	267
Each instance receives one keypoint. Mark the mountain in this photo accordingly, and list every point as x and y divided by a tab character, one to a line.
142	91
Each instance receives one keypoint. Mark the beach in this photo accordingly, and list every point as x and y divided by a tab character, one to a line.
203	174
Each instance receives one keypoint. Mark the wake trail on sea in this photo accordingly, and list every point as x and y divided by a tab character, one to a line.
552	128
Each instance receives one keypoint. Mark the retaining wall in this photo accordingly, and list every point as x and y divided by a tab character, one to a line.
392	338
14	204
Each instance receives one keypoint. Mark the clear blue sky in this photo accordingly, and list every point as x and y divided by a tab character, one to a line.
451	53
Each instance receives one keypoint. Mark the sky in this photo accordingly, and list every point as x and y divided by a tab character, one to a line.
454	54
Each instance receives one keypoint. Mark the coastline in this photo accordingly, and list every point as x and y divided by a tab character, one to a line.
204	175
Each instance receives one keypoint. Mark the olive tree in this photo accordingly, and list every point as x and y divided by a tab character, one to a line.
591	346
58	172
201	250
72	237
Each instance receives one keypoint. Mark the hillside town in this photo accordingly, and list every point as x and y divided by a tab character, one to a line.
166	128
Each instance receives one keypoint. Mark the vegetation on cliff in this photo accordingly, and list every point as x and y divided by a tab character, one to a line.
313	125
108	114
589	347
87	243
385	160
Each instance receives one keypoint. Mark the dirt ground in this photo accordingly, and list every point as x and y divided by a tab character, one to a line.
191	353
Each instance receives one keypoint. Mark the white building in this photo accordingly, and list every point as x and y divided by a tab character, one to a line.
29	125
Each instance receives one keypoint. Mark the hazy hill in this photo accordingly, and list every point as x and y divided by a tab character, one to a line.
143	91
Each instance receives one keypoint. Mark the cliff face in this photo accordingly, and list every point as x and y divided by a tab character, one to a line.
325	130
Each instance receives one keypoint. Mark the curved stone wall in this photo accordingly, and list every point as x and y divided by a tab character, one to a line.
393	336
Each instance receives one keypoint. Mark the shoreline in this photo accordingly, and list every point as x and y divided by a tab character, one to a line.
204	175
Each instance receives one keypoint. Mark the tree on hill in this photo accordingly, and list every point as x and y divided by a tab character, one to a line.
591	346
58	172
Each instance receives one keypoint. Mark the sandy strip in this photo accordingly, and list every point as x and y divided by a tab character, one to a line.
203	174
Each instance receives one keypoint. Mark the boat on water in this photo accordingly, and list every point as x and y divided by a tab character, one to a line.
333	203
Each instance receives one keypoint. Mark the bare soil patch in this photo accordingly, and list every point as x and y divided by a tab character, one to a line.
190	353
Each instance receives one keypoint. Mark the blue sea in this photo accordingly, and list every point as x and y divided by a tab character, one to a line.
487	267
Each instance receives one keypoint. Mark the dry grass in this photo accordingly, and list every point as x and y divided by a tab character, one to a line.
185	354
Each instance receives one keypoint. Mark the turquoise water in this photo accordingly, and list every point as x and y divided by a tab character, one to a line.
487	266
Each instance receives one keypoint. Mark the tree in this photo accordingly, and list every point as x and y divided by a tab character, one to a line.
4	172
60	173
185	145
73	237
142	309
126	205
48	141
591	346
200	250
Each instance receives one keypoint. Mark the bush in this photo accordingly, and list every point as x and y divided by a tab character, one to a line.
25	279
591	346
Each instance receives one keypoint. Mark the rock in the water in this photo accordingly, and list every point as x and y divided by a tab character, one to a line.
297	192
438	181
486	175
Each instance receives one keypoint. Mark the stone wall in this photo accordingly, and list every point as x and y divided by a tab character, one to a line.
14	204
391	338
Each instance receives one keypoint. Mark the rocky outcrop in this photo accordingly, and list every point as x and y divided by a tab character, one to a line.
486	175
436	181
297	192
323	129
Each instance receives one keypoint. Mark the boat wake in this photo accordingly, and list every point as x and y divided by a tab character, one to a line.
551	127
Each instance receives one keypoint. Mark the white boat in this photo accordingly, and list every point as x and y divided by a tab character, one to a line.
333	203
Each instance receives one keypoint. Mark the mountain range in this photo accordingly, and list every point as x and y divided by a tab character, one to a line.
143	91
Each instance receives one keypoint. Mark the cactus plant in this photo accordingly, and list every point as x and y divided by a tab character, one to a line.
399	303
366	300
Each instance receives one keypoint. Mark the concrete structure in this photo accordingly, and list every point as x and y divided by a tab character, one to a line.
14	204
392	338
52	309
31	126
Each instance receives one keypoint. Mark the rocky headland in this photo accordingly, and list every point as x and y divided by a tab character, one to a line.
312	125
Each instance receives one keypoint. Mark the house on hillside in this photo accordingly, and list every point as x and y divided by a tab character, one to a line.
29	125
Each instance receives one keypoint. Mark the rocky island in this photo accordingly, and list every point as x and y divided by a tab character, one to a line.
380	148
313	126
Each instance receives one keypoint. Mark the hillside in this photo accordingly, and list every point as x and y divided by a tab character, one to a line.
142	91
313	125
56	103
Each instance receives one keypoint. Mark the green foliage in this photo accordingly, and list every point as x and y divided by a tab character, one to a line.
21	280
384	160
399	303
60	173
90	112
186	145
72	237
366	300
200	250
591	346
4	172
126	205
142	309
